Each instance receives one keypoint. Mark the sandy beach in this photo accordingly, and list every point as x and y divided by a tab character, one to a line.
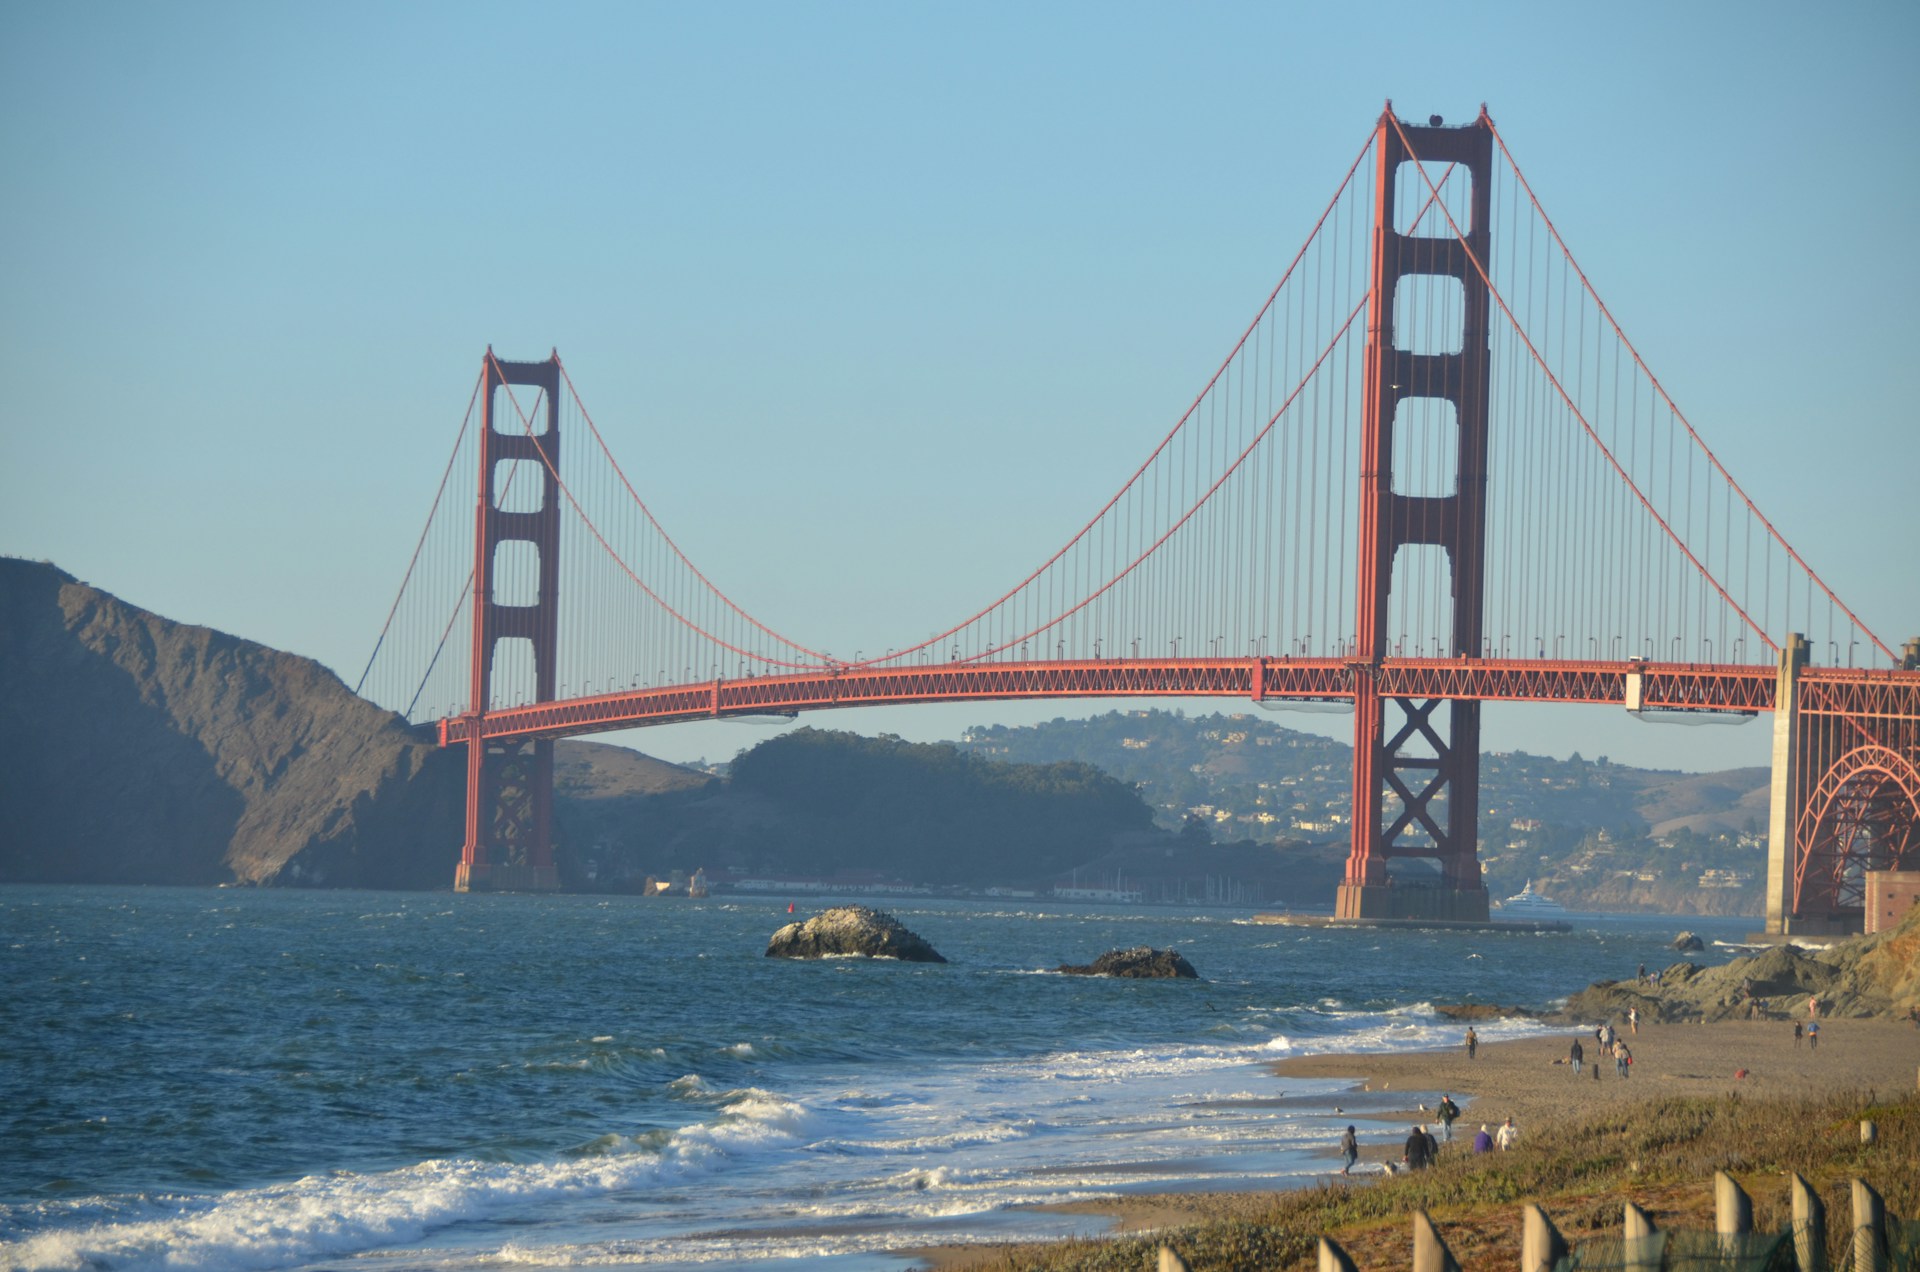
1521	1079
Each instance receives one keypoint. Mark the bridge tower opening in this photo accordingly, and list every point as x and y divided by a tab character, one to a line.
1416	788
509	842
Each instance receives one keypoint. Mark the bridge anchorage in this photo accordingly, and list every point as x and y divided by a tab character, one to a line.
1431	473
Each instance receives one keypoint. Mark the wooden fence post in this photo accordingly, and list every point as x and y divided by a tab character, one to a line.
1809	1225
1171	1262
1642	1252
1541	1245
1333	1258
1430	1253
1869	1229
1732	1208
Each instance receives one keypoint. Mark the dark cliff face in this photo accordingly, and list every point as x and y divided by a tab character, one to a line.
138	750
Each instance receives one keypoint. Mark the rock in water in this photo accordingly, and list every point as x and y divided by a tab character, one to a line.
851	929
1688	941
1142	962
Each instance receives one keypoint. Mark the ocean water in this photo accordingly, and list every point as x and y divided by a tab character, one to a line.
227	1079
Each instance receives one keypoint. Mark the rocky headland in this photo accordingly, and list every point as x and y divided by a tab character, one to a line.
1876	975
137	749
140	750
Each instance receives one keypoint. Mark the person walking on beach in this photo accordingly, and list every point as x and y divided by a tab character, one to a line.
1797	1033
1813	1035
1473	1042
1813	1007
1483	1142
1621	1058
1576	1056
1349	1150
1448	1112
1509	1135
1417	1155
1643	972
1633	1019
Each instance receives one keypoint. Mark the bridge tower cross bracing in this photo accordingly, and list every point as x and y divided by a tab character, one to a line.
509	837
1425	779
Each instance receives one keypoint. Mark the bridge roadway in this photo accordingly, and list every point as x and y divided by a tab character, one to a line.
1665	686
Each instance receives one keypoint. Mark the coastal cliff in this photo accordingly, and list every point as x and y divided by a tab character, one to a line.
140	750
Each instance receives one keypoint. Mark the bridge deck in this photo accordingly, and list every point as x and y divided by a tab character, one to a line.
1663	686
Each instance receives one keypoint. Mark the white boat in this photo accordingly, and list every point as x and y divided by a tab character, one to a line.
1528	904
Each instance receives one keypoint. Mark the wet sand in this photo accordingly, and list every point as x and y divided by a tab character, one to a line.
1520	1079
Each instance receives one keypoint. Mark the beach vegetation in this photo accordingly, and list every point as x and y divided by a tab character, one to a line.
1660	1155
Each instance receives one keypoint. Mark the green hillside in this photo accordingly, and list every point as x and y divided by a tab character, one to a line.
1591	833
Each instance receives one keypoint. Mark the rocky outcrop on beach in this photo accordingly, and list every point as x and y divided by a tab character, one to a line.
1875	975
851	929
1686	943
1140	963
1483	1011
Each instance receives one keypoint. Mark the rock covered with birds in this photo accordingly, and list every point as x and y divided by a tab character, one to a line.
851	930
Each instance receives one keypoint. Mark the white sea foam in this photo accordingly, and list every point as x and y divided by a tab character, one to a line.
993	1133
321	1216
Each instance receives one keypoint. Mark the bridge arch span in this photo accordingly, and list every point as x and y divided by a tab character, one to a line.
1863	814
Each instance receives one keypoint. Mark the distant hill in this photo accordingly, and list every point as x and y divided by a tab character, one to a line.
1592	834
820	803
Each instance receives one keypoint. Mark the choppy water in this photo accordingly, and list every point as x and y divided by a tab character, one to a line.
225	1079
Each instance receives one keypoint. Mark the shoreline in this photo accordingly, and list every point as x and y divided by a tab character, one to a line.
1520	1078
1529	1079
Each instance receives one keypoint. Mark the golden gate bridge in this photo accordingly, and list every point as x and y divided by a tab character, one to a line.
1432	472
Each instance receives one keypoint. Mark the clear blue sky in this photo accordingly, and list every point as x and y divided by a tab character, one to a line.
876	301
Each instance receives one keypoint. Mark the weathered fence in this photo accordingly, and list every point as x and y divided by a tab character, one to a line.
1880	1243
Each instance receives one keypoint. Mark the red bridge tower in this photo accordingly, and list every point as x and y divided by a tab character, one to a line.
1431	772
509	844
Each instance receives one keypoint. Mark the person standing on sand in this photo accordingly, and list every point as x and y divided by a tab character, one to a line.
1633	1019
1813	1008
1576	1056
1416	1154
1813	1036
1797	1033
1483	1142
1349	1150
1509	1135
1473	1042
1448	1112
1643	972
1621	1058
